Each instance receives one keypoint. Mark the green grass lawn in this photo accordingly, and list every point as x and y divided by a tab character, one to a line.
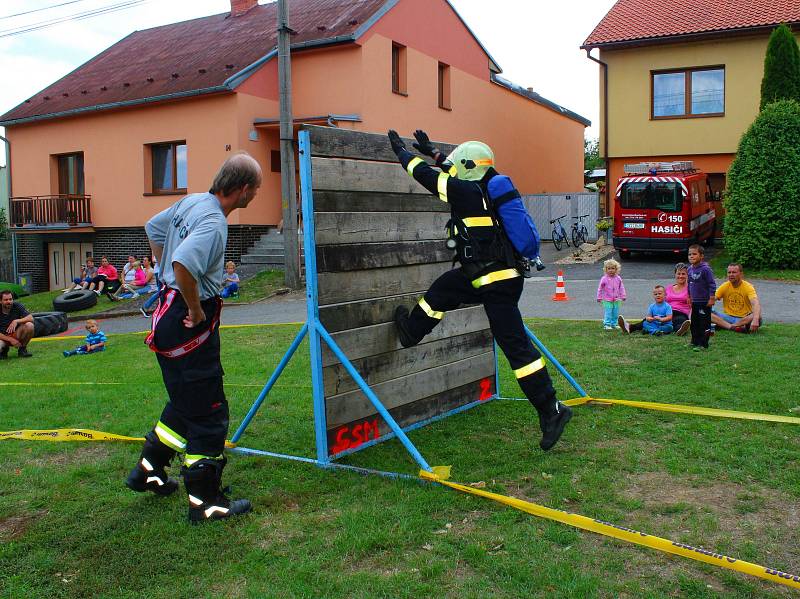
719	264
260	286
69	528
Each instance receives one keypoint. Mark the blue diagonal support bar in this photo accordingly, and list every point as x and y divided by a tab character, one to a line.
556	363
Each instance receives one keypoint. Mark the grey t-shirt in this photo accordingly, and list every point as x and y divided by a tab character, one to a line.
193	232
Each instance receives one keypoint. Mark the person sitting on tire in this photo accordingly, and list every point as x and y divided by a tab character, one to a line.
106	276
16	326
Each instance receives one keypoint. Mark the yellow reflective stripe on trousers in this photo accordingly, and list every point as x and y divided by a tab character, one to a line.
529	369
169	437
441	186
430	311
479	221
493	277
413	164
190	459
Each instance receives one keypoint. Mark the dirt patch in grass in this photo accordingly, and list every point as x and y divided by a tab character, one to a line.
13	527
70	455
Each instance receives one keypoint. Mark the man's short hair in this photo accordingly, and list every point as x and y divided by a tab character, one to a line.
6	292
237	171
737	265
698	248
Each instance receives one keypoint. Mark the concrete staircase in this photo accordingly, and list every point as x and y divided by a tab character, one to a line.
268	254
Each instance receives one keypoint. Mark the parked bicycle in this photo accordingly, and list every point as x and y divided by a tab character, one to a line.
559	233
579	233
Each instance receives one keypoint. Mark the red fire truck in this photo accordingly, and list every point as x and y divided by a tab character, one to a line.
662	207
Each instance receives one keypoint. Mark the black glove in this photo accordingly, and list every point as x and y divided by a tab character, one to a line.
424	145
397	143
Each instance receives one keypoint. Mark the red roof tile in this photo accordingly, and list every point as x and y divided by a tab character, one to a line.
630	20
191	56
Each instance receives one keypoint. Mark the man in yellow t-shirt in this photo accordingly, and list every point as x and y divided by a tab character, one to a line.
741	310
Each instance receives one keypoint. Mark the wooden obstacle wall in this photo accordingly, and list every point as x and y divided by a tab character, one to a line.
380	242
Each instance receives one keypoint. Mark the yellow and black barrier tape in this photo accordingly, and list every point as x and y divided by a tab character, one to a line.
441	473
223	326
73	434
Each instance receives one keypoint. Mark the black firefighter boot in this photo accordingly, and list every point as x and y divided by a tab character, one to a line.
207	500
553	415
150	474
403	331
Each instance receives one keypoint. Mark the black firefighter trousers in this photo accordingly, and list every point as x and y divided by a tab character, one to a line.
499	300
195	419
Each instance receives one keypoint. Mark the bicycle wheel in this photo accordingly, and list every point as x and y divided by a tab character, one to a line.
565	237
556	240
584	234
576	237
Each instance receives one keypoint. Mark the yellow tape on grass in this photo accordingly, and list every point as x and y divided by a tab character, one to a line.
607	529
72	434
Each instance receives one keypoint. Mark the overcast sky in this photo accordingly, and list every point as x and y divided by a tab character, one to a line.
535	42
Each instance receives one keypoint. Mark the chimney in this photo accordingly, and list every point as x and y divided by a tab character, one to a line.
240	7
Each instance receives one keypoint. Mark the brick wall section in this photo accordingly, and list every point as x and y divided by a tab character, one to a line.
117	244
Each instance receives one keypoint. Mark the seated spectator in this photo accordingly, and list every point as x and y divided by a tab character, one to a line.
152	299
677	296
135	280
106	277
741	310
230	281
16	326
88	272
95	341
659	316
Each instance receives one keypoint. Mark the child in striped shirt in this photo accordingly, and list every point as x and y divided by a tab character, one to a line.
95	341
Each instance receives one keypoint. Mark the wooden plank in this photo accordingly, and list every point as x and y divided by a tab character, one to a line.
372	227
382	338
353	405
364	256
353	315
384	367
357	175
346	143
356	433
364	201
338	287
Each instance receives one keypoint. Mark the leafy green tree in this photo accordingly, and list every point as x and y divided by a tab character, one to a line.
762	220
781	68
591	154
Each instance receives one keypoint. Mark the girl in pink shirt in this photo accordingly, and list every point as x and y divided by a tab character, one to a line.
611	293
678	298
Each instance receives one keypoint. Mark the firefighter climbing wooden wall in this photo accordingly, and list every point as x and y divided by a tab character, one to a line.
380	242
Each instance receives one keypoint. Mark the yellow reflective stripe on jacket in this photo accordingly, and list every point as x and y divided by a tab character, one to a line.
479	221
169	437
430	311
529	369
493	277
413	164
441	186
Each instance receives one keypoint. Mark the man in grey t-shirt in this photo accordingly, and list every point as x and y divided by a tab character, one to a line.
188	240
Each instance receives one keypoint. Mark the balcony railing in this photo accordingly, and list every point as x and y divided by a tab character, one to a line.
62	211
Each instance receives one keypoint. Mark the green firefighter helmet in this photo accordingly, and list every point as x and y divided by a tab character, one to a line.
471	160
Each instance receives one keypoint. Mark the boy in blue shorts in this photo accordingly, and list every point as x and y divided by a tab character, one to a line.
95	341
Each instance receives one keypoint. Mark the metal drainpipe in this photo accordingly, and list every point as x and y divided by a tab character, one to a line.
13	235
605	122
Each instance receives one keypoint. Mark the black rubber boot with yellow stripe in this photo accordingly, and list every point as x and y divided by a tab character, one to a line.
207	501
407	339
553	415
150	473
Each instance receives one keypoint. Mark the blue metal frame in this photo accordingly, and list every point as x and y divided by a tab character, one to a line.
316	333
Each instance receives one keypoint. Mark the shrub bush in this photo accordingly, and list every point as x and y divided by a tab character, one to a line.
781	68
762	203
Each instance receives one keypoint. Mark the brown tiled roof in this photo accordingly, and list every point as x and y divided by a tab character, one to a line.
632	20
198	56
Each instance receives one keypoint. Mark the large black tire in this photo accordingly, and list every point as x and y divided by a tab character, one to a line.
71	301
49	323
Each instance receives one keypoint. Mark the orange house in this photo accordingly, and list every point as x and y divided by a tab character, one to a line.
152	117
681	79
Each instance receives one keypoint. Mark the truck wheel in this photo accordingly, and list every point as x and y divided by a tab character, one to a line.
49	323
71	301
624	254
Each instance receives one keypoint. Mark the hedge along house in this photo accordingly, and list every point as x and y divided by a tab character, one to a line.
152	117
681	79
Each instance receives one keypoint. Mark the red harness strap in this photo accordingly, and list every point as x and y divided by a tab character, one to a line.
164	304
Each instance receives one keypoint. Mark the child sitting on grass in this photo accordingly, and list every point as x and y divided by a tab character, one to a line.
231	281
95	341
659	316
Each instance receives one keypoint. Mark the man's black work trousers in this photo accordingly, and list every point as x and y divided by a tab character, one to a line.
499	300
197	410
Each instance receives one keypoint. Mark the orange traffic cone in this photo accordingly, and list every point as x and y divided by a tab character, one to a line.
561	291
